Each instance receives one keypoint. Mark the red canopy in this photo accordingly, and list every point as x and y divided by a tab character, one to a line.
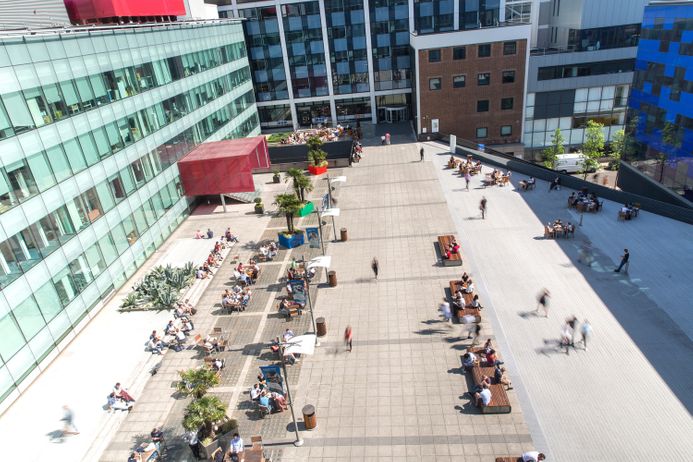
223	167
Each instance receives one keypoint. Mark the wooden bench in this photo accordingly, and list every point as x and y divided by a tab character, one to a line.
509	459
467	300
294	310
443	245
500	404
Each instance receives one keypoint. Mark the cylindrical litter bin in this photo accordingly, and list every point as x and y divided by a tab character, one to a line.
321	327
332	278
309	417
343	233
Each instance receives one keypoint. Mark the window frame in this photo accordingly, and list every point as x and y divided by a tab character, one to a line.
478	79
485	132
483	46
512	43
463	49
505	100
431	80
482	105
431	54
510	133
464	81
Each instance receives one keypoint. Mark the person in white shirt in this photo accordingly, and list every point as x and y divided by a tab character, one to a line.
586	332
483	397
469	360
470	287
444	309
236	447
255	392
533	456
469	322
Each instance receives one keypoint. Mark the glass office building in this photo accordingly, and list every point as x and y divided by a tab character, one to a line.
92	122
661	102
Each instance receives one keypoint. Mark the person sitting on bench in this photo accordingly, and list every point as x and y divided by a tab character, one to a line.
483	398
469	360
475	302
465	277
470	287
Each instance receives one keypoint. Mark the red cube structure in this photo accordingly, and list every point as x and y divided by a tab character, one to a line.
223	167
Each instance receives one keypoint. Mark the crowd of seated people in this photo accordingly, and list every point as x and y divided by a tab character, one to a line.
498	178
629	211
119	399
176	330
237	298
585	201
268	251
453	248
247	274
559	229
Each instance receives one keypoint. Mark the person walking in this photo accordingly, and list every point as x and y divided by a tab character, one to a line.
573	323
421	153
467	179
586	333
566	335
348	337
68	421
444	309
191	438
543	302
375	267
624	261
477	334
469	324
482	207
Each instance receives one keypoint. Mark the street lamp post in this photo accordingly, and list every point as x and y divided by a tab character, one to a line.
299	441
310	307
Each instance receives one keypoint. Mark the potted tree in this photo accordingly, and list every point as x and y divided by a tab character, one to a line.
290	206
317	158
196	382
259	206
202	415
302	184
276	178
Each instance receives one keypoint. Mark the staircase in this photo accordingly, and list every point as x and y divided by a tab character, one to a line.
246	197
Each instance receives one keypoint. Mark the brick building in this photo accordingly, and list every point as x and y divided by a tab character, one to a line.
472	84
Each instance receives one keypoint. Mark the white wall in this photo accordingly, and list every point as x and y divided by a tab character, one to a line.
198	9
604	13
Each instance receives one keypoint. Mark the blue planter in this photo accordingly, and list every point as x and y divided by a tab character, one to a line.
292	241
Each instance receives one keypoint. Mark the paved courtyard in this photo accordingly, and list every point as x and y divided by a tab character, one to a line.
400	394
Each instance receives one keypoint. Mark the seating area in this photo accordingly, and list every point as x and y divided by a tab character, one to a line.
464	301
497	178
585	201
629	211
528	184
465	166
450	251
486	373
559	229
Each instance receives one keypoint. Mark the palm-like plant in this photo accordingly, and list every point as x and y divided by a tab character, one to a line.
316	156
304	185
293	174
196	382
203	413
289	205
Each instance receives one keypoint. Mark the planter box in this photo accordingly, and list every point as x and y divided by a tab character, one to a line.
307	209
317	170
290	242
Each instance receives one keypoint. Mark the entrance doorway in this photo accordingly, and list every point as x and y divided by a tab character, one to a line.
396	114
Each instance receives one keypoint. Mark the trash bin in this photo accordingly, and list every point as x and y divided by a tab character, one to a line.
309	418
332	278
321	327
343	233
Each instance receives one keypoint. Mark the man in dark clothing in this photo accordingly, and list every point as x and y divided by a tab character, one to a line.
555	184
624	261
421	153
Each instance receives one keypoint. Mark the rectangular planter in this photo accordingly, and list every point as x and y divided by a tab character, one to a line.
317	170
290	242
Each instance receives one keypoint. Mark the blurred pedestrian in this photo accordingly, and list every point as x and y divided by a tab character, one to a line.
586	333
348	337
444	309
68	421
421	153
375	267
482	207
543	302
467	179
469	324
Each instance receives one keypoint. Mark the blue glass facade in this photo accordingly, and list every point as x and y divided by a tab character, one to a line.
662	94
346	32
390	43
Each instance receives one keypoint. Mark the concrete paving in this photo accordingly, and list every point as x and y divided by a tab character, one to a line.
629	397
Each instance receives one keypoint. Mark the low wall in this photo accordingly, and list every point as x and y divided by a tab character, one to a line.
669	210
286	156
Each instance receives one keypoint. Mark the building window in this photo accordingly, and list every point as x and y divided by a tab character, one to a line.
482	105
481	132
506	103
483	79
509	48
484	50
433	56
506	130
459	53
434	83
508	76
458	81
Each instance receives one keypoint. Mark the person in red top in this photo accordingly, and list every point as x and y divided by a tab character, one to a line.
491	357
348	335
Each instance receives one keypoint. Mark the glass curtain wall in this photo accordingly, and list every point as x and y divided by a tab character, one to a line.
304	43
479	13
433	16
390	43
265	52
346	30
